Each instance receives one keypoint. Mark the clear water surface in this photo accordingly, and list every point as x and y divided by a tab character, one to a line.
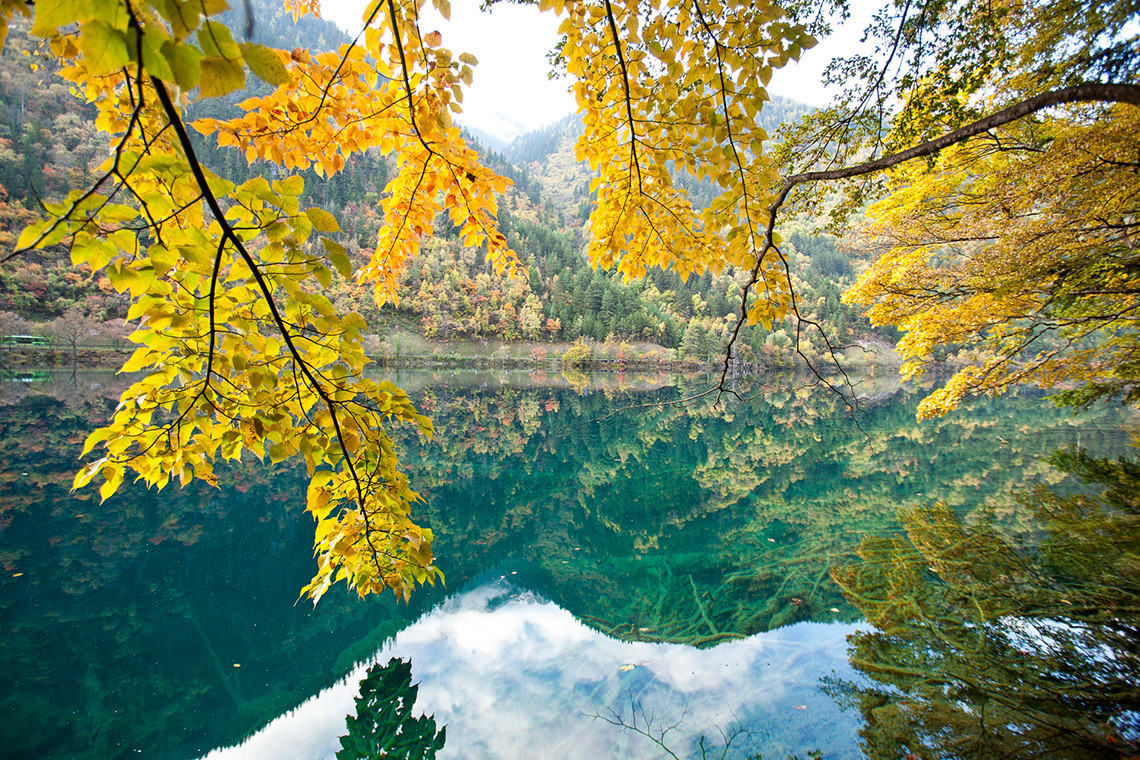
625	579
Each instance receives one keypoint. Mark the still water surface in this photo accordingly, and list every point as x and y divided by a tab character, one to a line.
618	579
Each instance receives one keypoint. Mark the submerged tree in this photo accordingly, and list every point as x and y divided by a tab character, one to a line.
985	648
242	350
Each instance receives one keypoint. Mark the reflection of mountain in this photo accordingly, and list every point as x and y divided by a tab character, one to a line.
698	525
514	676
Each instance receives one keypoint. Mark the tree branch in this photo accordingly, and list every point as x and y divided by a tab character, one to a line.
1086	92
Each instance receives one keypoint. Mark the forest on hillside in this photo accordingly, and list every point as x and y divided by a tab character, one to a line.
49	146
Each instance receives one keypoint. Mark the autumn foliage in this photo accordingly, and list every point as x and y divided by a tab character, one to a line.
243	350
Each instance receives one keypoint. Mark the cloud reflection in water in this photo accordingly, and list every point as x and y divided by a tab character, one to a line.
514	676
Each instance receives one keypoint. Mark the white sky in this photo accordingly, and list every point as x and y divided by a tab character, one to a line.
512	94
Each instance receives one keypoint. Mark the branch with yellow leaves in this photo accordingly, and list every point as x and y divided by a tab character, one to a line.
1088	92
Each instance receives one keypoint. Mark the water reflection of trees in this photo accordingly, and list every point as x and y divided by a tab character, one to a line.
127	610
384	726
688	524
699	523
991	646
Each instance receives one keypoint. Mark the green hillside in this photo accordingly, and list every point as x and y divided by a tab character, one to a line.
48	146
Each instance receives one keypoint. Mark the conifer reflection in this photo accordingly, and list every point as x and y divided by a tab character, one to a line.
384	726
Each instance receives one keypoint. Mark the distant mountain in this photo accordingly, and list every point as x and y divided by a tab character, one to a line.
486	139
534	146
780	110
548	156
49	145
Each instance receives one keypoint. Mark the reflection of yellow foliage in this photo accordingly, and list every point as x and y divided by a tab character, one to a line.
578	380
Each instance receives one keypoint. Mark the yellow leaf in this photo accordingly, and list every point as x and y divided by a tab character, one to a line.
220	77
322	220
249	435
265	63
113	477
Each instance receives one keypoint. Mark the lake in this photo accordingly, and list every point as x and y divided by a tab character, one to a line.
626	577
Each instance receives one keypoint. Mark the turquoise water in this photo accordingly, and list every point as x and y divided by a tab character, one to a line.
616	568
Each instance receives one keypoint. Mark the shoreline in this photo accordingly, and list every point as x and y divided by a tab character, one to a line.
415	353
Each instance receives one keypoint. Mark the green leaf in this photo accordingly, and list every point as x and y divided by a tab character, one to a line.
323	275
331	245
277	453
52	14
213	7
338	257
259	188
113	13
185	63
265	63
293	185
342	264
104	48
183	17
215	40
154	60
